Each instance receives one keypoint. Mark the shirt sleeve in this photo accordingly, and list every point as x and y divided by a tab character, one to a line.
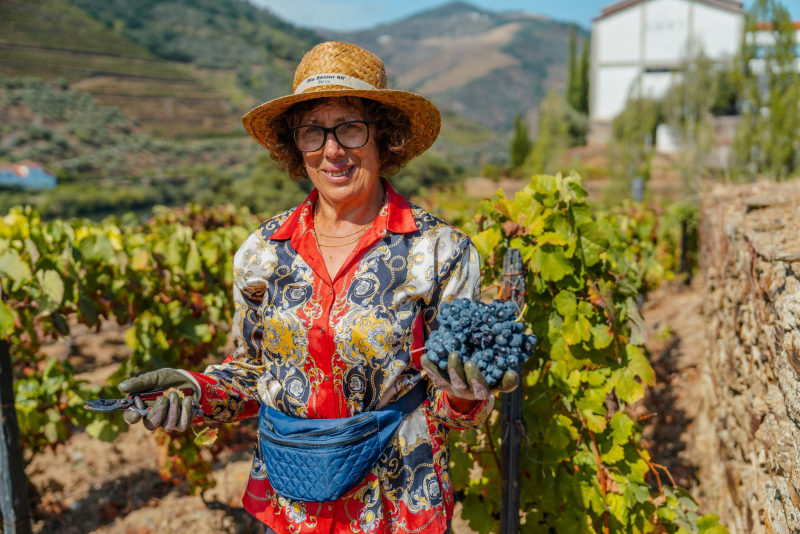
460	279
236	388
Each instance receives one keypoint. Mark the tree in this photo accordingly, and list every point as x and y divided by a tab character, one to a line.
573	88
520	144
583	80
578	74
769	90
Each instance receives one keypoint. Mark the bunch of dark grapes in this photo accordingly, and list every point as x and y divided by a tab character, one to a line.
487	334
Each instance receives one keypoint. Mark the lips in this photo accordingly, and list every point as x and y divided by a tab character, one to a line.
339	176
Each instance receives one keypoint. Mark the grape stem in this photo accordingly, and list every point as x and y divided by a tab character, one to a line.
522	313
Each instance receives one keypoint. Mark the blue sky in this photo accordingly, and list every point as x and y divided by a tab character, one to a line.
359	14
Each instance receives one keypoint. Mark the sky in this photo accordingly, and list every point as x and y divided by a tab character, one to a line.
359	14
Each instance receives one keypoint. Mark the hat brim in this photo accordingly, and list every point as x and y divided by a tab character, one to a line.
424	116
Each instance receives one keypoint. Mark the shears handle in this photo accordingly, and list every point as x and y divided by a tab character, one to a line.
153	395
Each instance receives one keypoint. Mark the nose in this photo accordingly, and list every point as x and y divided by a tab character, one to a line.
332	149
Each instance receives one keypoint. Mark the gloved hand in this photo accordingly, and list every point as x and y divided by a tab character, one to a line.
167	411
464	380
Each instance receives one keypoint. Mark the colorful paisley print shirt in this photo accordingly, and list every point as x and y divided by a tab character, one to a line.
313	347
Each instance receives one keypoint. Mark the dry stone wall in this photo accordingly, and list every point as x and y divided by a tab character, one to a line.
751	260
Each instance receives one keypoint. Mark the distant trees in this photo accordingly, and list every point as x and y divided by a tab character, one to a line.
560	127
563	119
769	92
631	149
687	108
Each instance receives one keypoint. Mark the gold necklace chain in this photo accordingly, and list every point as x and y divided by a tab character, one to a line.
341	236
317	231
362	230
342	244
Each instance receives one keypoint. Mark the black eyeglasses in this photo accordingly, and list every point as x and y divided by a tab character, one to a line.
350	134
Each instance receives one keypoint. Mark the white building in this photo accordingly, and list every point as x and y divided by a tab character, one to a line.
645	41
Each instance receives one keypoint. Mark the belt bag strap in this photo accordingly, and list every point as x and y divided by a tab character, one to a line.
320	460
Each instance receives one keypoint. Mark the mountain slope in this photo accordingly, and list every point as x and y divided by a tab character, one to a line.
486	66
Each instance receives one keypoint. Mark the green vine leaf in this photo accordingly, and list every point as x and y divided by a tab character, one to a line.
551	263
12	266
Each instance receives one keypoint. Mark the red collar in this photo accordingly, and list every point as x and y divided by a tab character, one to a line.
396	217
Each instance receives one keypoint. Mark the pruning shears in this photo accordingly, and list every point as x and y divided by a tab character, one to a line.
135	402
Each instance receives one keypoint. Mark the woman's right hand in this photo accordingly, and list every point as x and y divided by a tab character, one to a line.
465	381
168	411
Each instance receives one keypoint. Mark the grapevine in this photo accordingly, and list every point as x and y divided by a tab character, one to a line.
582	467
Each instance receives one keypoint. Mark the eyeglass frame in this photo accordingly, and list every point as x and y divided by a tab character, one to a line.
326	131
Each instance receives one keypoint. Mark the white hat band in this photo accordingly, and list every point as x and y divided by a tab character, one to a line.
333	79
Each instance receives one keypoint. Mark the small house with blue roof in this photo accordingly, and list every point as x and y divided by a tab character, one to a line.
26	175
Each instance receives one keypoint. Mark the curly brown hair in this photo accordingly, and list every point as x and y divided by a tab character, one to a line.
392	132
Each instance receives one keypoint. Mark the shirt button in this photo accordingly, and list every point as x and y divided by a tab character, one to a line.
330	292
327	379
330	507
321	330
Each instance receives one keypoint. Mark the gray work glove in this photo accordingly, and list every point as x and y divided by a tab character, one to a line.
167	411
464	380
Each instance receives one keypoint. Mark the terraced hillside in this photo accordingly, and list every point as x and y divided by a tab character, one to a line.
53	39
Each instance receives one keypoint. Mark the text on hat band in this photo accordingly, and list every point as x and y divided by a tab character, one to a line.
333	79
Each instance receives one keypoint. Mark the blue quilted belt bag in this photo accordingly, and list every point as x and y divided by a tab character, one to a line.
320	460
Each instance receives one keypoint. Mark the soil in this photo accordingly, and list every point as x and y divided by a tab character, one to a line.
679	437
88	486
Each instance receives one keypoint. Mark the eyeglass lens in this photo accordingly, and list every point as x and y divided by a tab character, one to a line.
347	134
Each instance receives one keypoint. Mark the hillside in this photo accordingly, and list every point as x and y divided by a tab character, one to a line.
485	66
53	39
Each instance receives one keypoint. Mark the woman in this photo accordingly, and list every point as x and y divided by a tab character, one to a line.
334	299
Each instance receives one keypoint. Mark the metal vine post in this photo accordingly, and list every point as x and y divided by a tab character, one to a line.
14	506
511	426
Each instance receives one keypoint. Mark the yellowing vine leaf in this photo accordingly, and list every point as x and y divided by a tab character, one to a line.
206	437
6	320
487	241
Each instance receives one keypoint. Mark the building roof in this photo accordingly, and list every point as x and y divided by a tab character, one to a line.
27	163
763	26
730	5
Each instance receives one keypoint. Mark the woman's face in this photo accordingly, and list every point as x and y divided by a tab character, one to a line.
341	174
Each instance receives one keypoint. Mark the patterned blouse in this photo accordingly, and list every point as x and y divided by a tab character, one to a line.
313	347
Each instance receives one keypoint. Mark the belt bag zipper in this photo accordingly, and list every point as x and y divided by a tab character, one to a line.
293	444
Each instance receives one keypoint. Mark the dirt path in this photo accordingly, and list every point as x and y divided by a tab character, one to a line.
679	436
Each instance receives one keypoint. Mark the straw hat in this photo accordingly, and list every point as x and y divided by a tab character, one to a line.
342	69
